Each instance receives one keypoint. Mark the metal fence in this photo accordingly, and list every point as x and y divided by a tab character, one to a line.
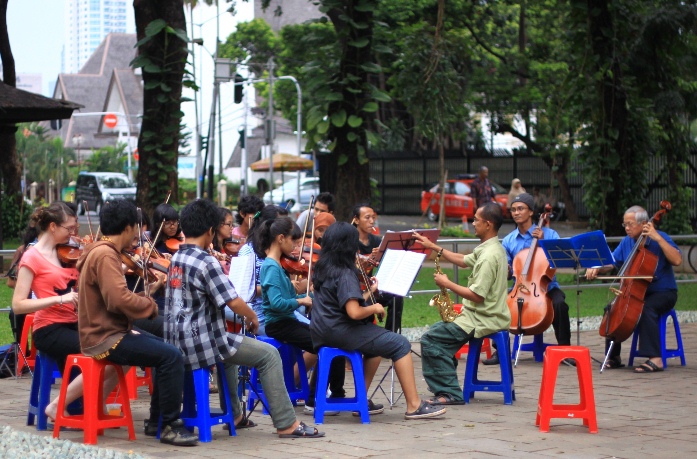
402	176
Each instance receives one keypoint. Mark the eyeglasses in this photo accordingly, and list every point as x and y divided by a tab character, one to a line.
629	224
226	224
171	222
71	229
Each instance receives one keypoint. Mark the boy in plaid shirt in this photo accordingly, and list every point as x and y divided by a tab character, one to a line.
197	292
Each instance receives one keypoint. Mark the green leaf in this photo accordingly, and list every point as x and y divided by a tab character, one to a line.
360	43
373	138
323	127
151	85
342	159
370	107
364	7
339	118
313	120
161	98
351	136
381	96
155	27
140	61
371	67
355	121
152	68
334	97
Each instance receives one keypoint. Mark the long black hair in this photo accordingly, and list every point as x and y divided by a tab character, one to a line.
269	230
339	249
269	212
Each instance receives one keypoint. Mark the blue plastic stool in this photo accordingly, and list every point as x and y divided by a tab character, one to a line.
358	403
665	352
40	394
290	356
473	384
197	411
537	347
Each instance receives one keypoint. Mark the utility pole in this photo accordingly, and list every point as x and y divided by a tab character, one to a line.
210	153
270	124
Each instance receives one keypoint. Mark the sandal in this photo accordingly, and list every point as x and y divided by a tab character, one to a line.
425	410
647	367
611	364
303	431
245	423
448	399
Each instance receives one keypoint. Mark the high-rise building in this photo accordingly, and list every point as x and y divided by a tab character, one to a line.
87	23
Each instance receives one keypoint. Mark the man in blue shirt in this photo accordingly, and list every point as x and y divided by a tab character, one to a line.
522	209
662	293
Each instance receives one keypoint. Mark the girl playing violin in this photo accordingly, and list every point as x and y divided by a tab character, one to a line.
274	239
168	217
54	285
341	319
248	207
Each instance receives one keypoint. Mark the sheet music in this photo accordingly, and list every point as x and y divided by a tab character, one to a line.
242	276
397	271
404	240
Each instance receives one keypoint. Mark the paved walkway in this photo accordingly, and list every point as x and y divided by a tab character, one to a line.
638	416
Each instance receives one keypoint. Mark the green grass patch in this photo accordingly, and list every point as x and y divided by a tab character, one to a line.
417	312
5	302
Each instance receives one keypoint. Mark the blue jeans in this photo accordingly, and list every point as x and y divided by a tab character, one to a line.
146	350
266	359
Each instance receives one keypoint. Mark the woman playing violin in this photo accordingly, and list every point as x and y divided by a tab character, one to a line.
662	292
54	285
171	234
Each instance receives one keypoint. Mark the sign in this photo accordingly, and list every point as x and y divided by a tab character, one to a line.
110	120
186	167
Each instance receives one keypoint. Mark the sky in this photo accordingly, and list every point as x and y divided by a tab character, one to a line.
36	30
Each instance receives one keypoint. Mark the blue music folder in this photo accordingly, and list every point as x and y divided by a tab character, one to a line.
587	250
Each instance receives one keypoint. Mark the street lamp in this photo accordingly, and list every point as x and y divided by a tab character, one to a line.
77	140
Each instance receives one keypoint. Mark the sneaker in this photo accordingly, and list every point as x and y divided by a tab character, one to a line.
373	408
176	434
494	360
149	428
310	410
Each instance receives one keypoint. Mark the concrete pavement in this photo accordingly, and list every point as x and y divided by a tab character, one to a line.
647	415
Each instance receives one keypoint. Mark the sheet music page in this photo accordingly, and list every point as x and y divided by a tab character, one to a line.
242	276
398	270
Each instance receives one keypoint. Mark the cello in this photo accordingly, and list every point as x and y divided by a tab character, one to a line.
530	307
623	313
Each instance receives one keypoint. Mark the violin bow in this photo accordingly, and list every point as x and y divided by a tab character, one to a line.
89	221
312	246
159	230
366	281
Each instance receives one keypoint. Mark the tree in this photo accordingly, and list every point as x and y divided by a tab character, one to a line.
162	54
11	170
108	159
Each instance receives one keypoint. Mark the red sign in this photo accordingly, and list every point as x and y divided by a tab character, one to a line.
136	156
110	120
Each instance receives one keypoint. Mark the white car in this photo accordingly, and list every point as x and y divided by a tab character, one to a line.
309	186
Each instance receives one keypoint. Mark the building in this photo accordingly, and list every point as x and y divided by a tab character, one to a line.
87	23
285	12
31	82
106	83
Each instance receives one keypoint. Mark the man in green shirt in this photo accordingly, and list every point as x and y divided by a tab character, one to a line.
484	308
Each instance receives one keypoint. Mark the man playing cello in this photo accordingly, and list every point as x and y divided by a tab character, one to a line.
522	209
662	293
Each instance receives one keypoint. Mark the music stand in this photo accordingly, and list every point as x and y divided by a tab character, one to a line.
587	250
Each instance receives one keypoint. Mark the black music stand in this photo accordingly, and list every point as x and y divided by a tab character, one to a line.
587	250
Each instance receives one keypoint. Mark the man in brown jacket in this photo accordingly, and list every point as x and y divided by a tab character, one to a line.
106	309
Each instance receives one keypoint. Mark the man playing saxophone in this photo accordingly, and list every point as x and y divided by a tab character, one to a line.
484	307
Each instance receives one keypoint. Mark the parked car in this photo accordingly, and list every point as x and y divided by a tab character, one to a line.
458	202
309	186
98	187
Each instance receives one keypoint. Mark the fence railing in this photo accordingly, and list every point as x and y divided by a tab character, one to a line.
457	243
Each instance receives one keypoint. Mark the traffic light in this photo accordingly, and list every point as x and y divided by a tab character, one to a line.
242	137
203	142
239	88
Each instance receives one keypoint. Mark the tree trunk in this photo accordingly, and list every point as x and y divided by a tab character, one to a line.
158	144
352	177
9	166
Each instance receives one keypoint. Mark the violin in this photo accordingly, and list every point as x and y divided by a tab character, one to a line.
70	252
366	263
231	246
299	265
531	310
136	266
622	314
364	277
172	243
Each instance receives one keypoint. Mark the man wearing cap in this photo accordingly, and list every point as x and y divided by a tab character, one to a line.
521	238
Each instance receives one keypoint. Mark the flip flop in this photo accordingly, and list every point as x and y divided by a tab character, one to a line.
613	364
245	423
448	400
303	431
648	367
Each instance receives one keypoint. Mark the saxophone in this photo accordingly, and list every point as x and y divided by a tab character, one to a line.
442	300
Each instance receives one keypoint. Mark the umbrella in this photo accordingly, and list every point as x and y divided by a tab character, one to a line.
283	162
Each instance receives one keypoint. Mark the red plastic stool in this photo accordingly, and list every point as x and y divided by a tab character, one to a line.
133	382
28	351
546	409
93	421
486	345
